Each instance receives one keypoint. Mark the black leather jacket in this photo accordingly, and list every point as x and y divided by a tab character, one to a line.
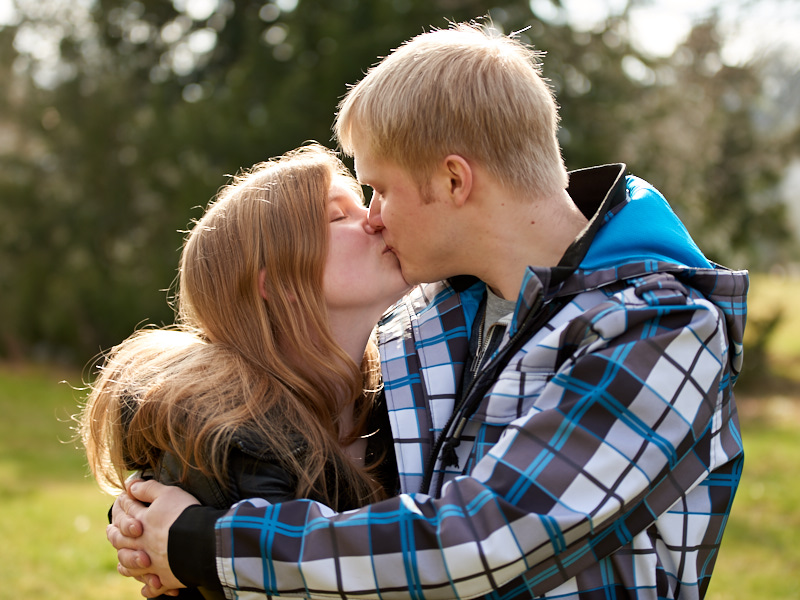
254	471
250	475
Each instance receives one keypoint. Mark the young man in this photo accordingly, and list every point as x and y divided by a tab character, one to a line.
560	401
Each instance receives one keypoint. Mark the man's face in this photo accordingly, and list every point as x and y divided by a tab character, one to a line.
412	224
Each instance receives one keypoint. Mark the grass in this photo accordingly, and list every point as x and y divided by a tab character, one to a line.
760	557
54	516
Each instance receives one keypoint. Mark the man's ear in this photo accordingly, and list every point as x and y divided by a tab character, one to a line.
459	177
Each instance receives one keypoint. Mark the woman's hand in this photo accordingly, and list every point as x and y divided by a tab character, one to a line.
140	533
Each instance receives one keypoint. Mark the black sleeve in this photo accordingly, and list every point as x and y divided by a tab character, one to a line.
258	478
192	548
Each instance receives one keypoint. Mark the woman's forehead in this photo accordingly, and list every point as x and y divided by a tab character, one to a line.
344	189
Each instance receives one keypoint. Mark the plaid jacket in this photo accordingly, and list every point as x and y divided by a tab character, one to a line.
600	462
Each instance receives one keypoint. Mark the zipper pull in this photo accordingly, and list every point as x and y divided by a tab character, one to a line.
449	456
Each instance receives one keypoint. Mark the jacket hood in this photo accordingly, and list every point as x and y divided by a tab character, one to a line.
627	235
643	236
632	234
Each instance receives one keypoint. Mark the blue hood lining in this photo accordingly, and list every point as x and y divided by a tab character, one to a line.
644	228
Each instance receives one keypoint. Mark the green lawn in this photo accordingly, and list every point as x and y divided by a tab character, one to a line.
53	515
760	554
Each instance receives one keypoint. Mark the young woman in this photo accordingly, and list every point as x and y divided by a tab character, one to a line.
267	385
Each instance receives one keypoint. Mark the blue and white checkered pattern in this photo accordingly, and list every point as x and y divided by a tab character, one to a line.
601	464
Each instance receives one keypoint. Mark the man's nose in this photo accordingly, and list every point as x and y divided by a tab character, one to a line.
374	220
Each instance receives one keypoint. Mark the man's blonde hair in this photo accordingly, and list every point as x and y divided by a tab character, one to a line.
463	90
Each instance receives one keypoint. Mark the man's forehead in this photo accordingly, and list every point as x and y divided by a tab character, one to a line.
361	166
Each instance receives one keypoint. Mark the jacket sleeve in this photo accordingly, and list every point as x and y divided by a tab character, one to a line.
629	423
191	541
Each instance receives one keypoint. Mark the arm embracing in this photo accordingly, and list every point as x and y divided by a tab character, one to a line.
621	432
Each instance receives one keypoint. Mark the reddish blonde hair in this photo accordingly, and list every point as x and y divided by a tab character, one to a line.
237	362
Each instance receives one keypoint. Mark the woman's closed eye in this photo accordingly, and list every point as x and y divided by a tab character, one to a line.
336	212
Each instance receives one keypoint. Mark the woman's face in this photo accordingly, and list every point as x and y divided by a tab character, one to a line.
360	271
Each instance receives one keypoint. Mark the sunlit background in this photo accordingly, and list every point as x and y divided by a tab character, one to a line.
119	119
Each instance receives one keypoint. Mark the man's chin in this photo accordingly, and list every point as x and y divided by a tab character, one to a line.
418	277
409	278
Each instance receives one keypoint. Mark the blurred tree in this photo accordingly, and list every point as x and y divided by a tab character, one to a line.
687	123
122	117
694	132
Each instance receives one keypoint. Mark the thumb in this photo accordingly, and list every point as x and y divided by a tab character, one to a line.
146	491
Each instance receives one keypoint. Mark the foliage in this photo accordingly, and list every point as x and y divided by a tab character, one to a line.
772	336
120	121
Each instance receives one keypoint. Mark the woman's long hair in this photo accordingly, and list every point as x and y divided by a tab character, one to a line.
252	354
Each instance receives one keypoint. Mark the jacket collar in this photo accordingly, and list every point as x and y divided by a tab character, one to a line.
595	191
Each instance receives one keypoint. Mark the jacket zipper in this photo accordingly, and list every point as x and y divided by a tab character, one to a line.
466	398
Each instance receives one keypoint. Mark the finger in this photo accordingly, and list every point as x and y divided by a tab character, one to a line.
136	574
153	587
131	527
133	560
139	575
144	491
126	572
133	477
126	513
116	509
117	539
121	506
130	508
149	592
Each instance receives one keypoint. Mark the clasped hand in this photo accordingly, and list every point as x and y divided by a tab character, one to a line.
140	533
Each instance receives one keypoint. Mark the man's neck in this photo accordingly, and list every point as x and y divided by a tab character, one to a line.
523	234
